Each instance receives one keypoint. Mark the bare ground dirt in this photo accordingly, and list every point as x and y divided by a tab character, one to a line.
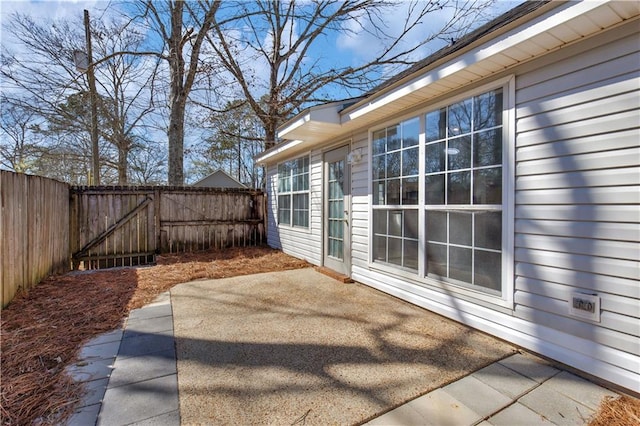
44	329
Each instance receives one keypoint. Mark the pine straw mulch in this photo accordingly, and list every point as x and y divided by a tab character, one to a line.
43	330
622	411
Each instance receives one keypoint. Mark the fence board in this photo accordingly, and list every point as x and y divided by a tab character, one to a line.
178	219
43	222
34	231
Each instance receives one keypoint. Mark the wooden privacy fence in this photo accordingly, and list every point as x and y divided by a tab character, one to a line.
47	227
123	226
34	231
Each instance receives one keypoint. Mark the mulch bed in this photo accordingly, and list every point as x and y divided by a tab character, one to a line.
622	411
44	329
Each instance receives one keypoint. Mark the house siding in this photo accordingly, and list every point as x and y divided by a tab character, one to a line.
578	190
575	206
303	243
576	213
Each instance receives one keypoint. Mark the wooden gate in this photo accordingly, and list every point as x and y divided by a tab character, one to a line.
112	226
127	226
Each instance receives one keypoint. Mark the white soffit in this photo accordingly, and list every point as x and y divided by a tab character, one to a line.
314	124
550	31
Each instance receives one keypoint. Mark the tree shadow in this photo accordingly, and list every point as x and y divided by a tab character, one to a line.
349	355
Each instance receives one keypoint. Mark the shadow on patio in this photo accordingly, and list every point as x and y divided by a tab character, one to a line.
297	346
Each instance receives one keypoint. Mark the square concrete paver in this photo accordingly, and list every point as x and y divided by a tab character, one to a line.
151	311
478	396
84	416
518	414
505	380
403	415
94	391
137	369
169	419
580	390
556	407
90	369
145	344
440	408
100	351
140	401
148	326
529	366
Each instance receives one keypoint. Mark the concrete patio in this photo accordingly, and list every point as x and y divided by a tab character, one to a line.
298	347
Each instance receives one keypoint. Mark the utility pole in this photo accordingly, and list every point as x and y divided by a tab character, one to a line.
95	154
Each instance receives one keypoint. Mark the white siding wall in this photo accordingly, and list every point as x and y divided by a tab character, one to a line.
302	243
577	220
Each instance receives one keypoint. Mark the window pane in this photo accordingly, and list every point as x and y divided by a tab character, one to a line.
411	224
393	138
410	191
488	269
379	141
301	210
393	164
460	228
487	186
395	251
393	192
459	153
459	188
379	189
436	125
379	222
285	184
380	248
410	159
434	157
460	264
437	226
395	223
488	110
487	148
488	230
436	260
410	131
284	209
302	165
378	167
460	118
410	254
434	189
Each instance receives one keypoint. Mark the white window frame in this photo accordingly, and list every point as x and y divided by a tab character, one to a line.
291	193
505	299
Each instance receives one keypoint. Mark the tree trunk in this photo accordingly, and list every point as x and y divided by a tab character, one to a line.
270	134
123	161
176	142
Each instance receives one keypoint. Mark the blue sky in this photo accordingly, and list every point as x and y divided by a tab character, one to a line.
338	48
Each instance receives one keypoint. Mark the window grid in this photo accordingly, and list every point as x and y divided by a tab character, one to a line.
395	175
461	186
457	152
293	193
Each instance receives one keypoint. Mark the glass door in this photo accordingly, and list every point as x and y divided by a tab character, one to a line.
336	210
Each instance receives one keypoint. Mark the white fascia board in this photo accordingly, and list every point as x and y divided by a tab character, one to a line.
266	156
521	34
282	133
